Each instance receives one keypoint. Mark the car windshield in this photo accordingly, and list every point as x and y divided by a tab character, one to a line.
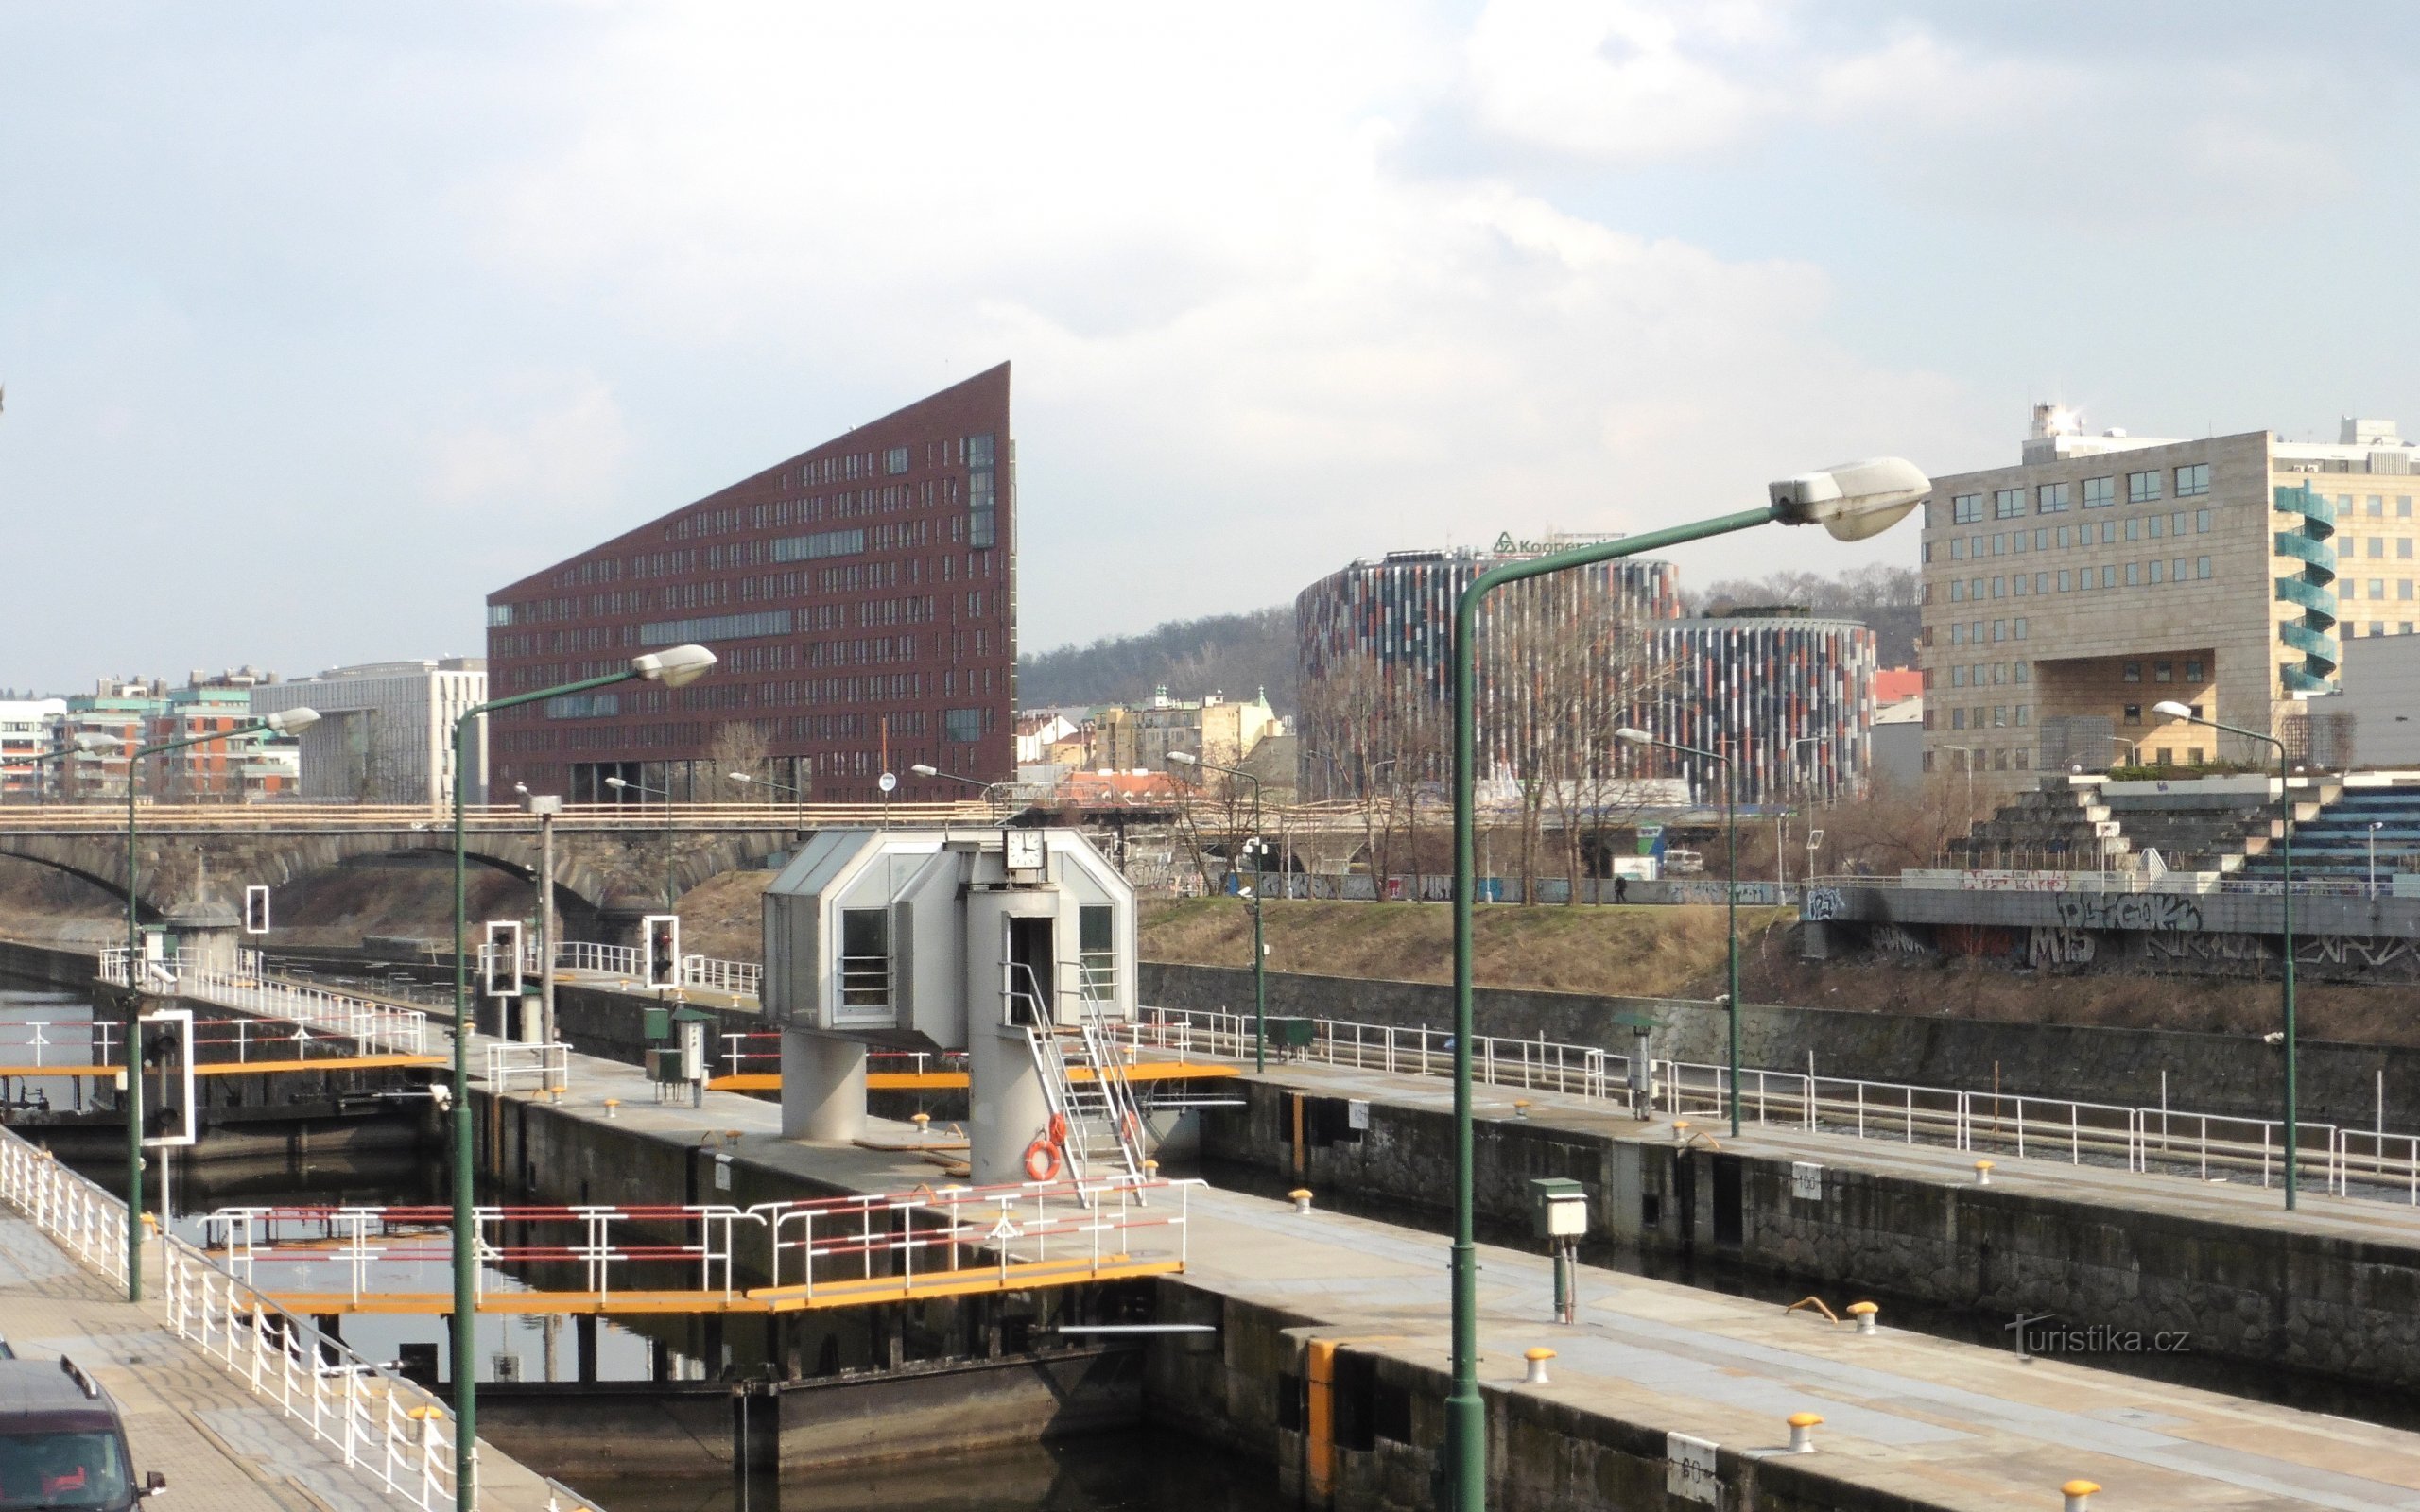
61	1470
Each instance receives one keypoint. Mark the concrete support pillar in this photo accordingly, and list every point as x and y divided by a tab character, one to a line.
824	1087
1007	1107
583	1348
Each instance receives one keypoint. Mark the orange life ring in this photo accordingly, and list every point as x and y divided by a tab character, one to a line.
1058	1130
1042	1160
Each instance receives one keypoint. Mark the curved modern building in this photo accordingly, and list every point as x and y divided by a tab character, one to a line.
1787	696
1561	666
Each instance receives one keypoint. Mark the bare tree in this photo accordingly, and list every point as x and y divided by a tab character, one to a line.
737	746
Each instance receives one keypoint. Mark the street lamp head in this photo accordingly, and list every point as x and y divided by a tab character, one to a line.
93	741
675	667
922	769
292	721
1634	737
2172	709
522	788
1183	758
615	781
739	777
1854	500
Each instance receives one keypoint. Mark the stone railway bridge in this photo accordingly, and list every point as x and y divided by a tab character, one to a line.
195	861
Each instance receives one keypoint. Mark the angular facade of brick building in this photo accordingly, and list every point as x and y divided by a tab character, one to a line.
861	597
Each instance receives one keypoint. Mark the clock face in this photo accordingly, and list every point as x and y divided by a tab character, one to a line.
1025	850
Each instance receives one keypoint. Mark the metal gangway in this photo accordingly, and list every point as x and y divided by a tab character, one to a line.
1094	1122
783	1257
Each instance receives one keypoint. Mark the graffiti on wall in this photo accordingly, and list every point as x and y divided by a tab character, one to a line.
1897	940
2053	948
1820	904
2128	910
2351	950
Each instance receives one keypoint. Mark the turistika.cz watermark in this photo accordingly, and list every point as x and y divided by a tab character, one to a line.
2048	1334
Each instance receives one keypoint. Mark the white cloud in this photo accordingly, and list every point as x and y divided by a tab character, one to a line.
1250	345
544	442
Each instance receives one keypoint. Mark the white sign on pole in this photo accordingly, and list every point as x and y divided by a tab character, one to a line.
1807	1180
1689	1470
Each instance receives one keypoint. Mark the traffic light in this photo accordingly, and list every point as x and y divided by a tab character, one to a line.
166	1044
256	910
663	949
500	961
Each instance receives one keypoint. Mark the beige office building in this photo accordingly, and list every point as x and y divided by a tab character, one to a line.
2101	575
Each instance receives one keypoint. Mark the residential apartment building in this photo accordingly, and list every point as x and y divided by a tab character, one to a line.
29	734
247	765
861	597
2068	595
386	729
1221	730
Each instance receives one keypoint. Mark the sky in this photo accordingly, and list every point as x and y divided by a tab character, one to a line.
320	322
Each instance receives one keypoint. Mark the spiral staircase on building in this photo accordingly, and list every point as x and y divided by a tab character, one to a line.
2306	542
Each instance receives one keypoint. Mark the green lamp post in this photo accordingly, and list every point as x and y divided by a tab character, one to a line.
1852	501
284	722
674	667
1259	950
1731	892
2285	926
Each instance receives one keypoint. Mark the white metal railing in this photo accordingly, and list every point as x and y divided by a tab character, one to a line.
376	1252
2371	1164
546	1066
383	1429
738	978
79	1216
589	956
376	1026
1082	1224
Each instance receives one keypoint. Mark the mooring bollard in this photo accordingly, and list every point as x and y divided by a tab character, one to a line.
2077	1494
919	1120
1983	1172
1520	1107
1302	1197
1863	1312
1802	1432
612	1108
1537	1357
428	1417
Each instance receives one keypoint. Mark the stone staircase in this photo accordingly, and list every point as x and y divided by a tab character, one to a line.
2064	825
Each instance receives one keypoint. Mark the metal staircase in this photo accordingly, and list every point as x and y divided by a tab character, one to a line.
1096	1116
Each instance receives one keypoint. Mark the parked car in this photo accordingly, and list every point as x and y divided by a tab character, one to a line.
63	1442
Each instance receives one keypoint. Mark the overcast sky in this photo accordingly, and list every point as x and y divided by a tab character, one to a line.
317	322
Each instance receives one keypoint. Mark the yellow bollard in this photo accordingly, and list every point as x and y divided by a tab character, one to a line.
1983	1172
1801	1432
2077	1494
1863	1312
612	1107
1520	1107
1302	1197
919	1120
1537	1357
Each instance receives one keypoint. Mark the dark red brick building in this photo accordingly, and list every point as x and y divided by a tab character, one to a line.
861	596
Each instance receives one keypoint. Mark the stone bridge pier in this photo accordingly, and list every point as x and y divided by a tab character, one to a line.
192	879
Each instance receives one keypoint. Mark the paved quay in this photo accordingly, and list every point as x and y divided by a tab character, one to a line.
1940	1423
